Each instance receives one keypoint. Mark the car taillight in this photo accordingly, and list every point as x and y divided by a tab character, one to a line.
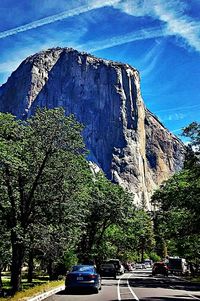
92	276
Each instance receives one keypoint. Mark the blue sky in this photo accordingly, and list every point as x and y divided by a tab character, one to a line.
161	38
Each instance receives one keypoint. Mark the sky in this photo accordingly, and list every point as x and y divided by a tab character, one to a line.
160	38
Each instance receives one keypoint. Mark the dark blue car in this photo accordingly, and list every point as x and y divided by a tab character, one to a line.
83	276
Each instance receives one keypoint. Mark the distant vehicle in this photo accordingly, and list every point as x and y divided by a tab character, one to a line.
83	276
108	270
177	266
122	269
140	265
159	268
148	263
128	267
118	265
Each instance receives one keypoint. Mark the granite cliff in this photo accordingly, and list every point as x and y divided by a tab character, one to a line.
127	141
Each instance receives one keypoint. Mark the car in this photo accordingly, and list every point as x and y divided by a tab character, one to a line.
108	270
159	268
148	263
118	265
83	276
140	265
128	267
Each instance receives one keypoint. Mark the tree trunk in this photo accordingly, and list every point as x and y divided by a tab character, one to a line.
50	269
1	284
17	261
30	266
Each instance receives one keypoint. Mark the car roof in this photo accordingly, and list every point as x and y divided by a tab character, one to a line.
83	265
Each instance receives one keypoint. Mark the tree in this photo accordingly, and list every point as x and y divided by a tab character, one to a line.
5	255
192	131
108	204
132	238
178	200
40	161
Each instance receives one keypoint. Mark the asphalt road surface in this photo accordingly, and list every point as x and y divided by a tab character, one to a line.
137	285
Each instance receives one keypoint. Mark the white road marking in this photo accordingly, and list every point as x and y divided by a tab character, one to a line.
118	288
193	296
128	286
132	292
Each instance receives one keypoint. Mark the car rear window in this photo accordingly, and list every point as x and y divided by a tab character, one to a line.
107	266
83	269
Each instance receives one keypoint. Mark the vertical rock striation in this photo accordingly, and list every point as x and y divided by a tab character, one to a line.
124	138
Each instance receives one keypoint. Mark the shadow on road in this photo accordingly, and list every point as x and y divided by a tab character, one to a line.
169	298
77	292
163	282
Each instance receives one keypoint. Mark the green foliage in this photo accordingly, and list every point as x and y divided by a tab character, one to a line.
178	200
42	172
34	291
128	238
108	204
192	131
154	256
70	259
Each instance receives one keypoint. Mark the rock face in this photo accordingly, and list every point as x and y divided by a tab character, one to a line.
124	138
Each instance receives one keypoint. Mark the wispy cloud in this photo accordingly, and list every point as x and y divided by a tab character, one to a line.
178	23
11	60
183	108
153	32
172	12
174	117
58	17
151	59
177	130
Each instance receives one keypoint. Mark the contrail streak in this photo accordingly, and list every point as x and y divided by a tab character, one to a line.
179	108
122	39
58	17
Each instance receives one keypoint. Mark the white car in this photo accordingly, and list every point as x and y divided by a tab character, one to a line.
140	266
122	269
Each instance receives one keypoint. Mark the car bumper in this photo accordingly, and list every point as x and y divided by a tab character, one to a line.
108	274
82	284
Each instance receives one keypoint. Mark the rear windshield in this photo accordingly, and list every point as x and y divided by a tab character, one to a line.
79	268
115	262
107	265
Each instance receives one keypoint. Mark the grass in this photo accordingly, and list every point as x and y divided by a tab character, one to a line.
195	279
39	285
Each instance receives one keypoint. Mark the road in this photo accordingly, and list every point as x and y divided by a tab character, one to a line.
137	285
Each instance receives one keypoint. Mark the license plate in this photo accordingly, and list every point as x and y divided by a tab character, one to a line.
79	278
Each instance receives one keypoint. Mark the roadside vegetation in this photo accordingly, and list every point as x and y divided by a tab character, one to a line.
55	212
30	292
177	219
